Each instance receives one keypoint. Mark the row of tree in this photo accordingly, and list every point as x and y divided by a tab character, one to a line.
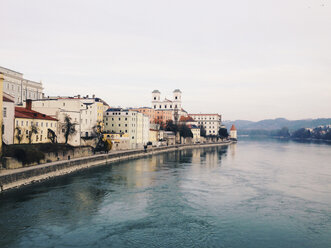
322	133
186	132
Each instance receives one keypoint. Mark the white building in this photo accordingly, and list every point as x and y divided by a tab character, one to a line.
85	112
8	119
174	105
135	124
210	122
21	89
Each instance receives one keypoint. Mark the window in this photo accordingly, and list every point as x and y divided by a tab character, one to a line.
155	106
4	112
176	97
154	98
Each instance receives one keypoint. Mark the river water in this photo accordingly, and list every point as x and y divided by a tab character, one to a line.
256	193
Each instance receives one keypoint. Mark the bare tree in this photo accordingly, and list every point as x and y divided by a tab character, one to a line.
33	130
69	128
52	136
19	134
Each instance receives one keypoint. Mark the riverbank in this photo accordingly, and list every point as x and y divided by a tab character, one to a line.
16	178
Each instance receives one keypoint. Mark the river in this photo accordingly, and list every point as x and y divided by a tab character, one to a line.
256	193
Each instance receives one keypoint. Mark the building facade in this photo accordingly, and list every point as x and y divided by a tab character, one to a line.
27	120
8	119
174	105
210	122
85	112
21	89
1	124
135	124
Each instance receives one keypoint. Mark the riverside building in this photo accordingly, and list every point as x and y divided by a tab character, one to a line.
210	122
85	112
135	124
8	119
174	106
20	88
26	120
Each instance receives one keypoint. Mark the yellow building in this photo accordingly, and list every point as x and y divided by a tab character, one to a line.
33	127
120	141
153	136
1	90
196	133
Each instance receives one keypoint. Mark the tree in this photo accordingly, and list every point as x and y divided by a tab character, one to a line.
69	128
185	131
33	130
284	132
52	136
302	133
97	129
202	131
170	126
19	134
223	133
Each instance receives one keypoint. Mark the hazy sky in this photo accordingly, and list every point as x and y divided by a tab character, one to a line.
244	59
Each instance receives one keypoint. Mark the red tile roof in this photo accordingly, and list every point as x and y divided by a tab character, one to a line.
30	114
186	119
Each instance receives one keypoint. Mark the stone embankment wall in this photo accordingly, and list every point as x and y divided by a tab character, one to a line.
74	152
15	178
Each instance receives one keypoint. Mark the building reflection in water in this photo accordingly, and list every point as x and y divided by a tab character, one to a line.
210	156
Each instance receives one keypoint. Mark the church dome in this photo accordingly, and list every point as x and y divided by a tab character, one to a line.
156	91
177	90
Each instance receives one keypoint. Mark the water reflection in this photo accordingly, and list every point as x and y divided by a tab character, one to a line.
250	194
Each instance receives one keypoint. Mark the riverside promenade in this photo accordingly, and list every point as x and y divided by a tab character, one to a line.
16	178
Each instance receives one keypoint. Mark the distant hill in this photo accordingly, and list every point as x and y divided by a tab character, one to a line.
274	124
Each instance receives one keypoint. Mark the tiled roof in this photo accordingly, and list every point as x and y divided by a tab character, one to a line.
30	114
205	114
186	119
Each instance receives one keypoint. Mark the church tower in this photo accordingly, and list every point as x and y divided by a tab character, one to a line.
177	101
156	98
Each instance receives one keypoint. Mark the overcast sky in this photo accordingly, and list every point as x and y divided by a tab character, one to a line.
245	59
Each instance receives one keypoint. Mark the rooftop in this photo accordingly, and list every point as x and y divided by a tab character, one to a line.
31	114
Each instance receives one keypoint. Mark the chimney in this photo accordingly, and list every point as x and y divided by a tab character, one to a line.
78	96
28	104
86	96
93	96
